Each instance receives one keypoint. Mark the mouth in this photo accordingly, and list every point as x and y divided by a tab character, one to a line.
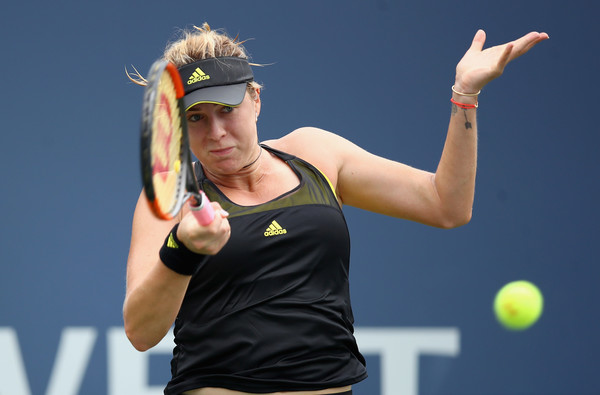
221	151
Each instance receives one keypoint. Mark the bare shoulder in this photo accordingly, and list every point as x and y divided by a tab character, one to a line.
319	147
311	144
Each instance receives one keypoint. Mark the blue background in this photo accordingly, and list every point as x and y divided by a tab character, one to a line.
377	72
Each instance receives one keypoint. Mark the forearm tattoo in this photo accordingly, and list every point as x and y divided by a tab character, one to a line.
468	125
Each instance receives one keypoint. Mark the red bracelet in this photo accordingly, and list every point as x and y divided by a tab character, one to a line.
465	106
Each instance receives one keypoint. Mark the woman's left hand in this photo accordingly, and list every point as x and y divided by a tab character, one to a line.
480	66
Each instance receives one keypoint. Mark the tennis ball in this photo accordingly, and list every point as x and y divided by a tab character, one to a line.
518	305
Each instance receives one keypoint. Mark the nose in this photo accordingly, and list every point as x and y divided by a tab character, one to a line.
216	129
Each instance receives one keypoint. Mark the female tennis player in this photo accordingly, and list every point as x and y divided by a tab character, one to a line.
260	297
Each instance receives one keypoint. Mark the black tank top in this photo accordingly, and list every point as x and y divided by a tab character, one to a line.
271	311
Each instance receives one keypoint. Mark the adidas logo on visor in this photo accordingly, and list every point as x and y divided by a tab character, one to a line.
275	229
197	76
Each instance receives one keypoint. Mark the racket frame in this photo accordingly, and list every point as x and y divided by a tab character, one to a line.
186	188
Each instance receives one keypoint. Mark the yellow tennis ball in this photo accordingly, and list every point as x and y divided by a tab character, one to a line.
518	305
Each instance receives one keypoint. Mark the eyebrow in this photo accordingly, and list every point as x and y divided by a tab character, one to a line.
197	106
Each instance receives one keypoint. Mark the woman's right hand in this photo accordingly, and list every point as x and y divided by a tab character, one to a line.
154	292
207	239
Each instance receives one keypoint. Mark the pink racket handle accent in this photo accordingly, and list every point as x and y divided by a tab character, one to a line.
204	213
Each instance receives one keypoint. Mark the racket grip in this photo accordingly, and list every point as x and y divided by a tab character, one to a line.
204	212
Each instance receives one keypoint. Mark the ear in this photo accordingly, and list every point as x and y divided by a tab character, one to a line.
257	103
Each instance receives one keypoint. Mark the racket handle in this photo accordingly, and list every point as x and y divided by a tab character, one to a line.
204	212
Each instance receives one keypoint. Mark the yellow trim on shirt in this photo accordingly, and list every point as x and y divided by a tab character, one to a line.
327	178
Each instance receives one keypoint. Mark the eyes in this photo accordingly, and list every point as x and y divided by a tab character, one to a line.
193	117
198	115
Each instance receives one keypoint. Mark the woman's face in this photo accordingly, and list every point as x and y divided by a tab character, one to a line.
224	138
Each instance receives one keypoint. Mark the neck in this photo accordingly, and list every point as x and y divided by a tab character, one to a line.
260	150
247	178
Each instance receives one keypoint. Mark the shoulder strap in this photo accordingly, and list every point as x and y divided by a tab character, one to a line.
198	172
283	155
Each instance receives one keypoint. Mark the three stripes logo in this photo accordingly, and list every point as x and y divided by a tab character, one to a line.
197	76
274	230
171	243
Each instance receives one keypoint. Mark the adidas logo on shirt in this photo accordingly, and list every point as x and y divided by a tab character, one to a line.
274	230
197	76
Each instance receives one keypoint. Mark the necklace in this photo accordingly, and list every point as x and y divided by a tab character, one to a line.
255	160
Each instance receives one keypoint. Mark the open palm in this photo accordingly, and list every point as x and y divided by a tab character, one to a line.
480	66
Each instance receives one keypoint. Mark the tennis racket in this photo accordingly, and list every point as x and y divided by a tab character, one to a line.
167	173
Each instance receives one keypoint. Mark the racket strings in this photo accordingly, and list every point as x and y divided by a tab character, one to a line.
166	146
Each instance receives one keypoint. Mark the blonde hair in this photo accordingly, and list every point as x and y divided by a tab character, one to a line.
201	43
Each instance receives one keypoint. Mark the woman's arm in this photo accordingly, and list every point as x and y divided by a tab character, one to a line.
154	292
444	198
454	180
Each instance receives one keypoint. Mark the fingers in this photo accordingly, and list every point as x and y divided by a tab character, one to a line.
525	43
519	47
219	210
478	40
506	56
478	66
536	39
208	239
